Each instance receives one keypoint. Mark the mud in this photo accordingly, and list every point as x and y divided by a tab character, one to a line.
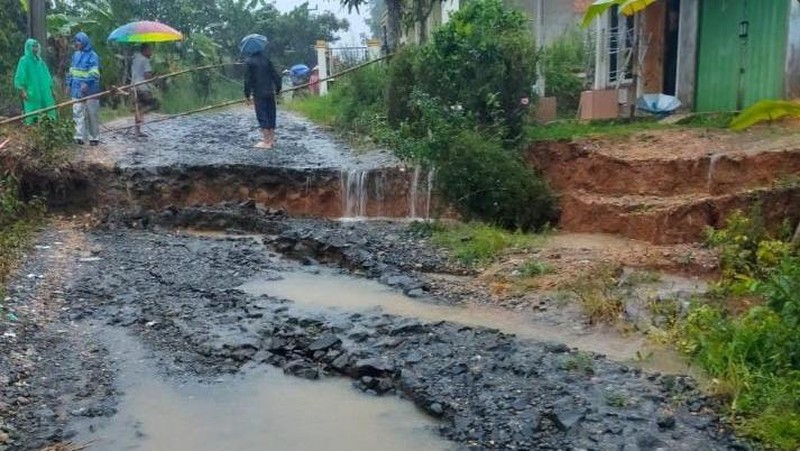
670	196
180	295
259	408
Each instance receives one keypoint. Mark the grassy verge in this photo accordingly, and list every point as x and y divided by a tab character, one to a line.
183	96
753	354
477	243
320	110
574	129
16	234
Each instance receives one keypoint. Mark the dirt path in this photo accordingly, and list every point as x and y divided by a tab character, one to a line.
130	332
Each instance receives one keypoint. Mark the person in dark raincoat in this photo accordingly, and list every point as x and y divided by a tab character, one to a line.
34	82
263	82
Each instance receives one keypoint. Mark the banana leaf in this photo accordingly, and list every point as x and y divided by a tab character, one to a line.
597	9
631	7
628	7
765	110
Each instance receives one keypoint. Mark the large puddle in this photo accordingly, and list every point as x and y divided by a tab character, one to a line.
328	289
262	410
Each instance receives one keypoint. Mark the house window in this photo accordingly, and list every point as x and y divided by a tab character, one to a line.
620	46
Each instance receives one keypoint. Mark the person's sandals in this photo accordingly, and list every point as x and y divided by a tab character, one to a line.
263	145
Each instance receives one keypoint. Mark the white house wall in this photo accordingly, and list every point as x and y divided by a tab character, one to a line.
557	17
793	53
449	7
687	51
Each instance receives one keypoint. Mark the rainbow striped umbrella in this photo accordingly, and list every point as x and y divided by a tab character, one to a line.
144	31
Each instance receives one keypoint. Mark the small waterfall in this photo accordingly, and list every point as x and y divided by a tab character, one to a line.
712	163
354	193
412	202
380	195
429	188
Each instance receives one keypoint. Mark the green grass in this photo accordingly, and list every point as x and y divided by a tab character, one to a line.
16	234
182	95
753	360
477	243
574	129
108	114
318	109
534	267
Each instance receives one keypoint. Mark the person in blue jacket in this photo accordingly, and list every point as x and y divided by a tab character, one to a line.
83	79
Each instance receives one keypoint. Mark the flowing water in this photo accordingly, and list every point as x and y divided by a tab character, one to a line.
360	187
329	289
354	193
412	199
712	162
429	192
262	410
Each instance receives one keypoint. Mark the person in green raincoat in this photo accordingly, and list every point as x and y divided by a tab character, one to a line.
34	82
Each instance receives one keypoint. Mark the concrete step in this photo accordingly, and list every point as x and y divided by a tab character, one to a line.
674	219
580	166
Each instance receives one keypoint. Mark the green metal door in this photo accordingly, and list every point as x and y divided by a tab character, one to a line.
742	52
765	50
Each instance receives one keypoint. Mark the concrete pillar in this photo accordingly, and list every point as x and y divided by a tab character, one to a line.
687	52
373	49
601	64
793	57
322	64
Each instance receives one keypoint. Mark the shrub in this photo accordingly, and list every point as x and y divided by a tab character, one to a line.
358	97
476	243
402	80
483	59
747	252
474	173
483	181
755	356
48	140
562	63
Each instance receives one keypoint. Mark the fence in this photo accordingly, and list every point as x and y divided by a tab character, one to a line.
332	60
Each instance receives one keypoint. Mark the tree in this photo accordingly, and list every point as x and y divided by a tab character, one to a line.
12	38
295	33
394	17
375	21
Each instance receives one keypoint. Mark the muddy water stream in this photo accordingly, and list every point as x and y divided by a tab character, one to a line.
261	410
329	289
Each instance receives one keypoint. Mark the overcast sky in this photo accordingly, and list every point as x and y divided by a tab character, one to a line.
357	23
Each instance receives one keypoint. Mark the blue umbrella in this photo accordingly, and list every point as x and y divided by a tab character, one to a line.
299	70
660	104
252	44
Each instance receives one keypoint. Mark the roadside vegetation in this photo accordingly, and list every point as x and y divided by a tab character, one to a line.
476	243
43	150
747	336
621	128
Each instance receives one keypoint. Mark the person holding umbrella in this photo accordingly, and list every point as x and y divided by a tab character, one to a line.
143	97
34	82
262	82
83	79
142	33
